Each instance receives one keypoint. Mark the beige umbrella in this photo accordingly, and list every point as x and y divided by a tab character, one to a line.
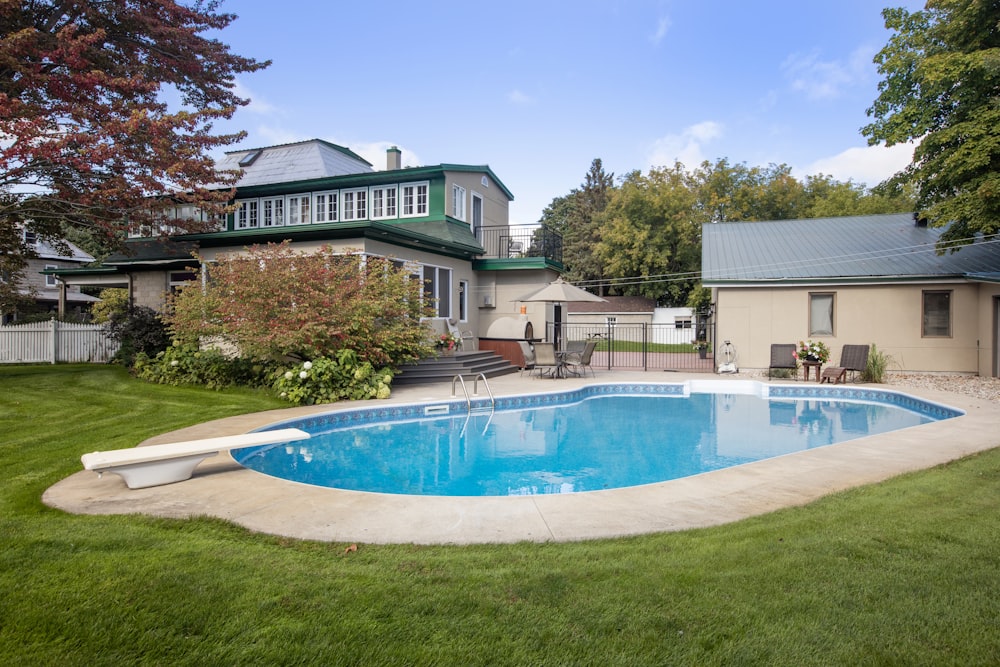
560	291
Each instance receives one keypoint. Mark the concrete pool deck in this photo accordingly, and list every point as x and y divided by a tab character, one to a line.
221	488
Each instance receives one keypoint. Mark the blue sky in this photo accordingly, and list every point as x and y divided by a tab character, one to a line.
537	90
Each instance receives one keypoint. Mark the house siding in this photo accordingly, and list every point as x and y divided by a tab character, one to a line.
888	316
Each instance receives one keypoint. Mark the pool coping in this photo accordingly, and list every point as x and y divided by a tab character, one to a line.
221	488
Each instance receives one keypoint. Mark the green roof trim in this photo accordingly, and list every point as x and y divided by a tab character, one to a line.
516	264
438	236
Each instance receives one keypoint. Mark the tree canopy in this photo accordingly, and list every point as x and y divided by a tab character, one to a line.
273	302
642	236
941	89
107	110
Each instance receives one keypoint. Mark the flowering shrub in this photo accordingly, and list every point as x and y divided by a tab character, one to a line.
329	379
448	341
188	364
810	351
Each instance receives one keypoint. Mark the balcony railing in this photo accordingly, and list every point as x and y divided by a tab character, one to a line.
515	241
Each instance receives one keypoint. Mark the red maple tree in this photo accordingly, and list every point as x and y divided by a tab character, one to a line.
107	111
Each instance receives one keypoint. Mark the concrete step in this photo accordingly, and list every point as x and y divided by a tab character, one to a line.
444	368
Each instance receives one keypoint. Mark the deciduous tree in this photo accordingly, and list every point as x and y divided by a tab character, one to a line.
941	87
273	302
107	110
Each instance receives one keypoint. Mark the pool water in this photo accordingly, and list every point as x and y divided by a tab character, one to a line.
583	443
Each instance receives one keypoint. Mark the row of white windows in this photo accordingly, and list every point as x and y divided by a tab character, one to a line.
408	200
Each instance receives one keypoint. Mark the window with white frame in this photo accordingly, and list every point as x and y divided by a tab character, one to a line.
30	238
272	212
476	223
820	314
936	315
247	214
463	300
437	285
383	202
50	281
413	199
327	206
354	204
458	201
298	210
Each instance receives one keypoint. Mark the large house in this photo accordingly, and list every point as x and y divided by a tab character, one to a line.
447	223
48	293
875	279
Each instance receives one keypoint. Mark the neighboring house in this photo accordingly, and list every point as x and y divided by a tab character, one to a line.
45	288
448	224
856	280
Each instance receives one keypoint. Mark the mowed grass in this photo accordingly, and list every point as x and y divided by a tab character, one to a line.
906	572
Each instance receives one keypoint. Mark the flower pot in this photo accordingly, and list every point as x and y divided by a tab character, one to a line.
702	353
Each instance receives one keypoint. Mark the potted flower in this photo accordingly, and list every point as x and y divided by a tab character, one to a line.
702	346
813	352
446	343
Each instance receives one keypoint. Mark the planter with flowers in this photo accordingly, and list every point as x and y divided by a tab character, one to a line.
447	343
813	352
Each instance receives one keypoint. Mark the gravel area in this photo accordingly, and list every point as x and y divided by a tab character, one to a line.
970	385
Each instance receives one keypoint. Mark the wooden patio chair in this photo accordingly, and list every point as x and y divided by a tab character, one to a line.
853	358
782	356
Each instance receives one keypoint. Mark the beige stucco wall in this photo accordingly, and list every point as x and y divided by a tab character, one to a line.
495	203
888	316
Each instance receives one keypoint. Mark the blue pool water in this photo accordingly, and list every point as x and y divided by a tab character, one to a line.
602	437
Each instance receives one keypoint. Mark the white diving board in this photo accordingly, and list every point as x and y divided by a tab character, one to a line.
174	462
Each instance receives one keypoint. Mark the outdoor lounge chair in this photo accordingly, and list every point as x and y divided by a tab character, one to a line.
853	358
782	356
578	362
528	353
546	362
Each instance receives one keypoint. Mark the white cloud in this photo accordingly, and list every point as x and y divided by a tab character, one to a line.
826	79
662	27
519	98
869	165
685	147
257	104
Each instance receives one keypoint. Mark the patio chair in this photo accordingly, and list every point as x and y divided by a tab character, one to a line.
528	353
463	336
546	362
578	362
853	358
782	356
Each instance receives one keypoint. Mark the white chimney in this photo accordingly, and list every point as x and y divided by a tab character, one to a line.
394	159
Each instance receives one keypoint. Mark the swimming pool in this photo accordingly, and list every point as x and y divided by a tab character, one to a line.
598	437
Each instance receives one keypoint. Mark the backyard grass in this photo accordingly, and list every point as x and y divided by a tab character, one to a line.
906	572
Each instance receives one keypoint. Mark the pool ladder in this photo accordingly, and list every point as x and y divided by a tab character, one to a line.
458	379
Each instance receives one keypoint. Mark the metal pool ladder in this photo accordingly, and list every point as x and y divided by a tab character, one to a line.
468	399
475	390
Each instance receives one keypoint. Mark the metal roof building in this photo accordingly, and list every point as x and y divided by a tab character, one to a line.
855	248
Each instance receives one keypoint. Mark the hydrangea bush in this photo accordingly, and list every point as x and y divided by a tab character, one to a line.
328	379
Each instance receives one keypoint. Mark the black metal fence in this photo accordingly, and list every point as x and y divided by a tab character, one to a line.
643	346
515	241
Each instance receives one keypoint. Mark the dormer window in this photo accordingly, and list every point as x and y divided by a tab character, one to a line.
30	238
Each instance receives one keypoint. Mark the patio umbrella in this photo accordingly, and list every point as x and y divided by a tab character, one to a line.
560	291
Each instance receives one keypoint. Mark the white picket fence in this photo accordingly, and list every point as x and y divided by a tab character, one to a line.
55	341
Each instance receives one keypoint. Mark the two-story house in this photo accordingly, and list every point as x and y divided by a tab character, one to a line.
447	224
50	295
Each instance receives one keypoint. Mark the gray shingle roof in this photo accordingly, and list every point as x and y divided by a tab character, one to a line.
869	246
300	161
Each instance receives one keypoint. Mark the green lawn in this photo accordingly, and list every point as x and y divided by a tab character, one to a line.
906	572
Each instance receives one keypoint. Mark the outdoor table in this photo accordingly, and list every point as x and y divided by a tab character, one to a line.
807	365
